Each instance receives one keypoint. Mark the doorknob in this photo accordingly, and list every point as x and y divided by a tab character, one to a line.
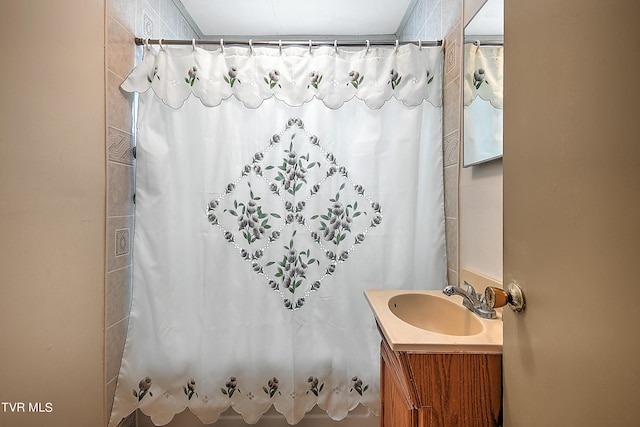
513	297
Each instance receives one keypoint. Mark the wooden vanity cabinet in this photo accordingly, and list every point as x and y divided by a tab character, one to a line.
440	390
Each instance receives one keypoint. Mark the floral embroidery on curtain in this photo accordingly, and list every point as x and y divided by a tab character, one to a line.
483	74
261	220
291	170
293	75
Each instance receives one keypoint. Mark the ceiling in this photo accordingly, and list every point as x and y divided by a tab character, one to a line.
489	21
270	18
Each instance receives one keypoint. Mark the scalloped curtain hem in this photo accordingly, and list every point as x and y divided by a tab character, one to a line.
213	418
410	74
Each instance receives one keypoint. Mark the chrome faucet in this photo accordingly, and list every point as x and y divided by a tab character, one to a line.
472	300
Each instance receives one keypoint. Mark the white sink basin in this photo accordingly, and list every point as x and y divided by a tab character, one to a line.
435	314
431	322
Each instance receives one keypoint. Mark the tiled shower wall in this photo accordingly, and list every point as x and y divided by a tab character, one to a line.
435	20
126	19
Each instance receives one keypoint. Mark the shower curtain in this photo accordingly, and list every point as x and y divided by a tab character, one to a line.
483	101
273	186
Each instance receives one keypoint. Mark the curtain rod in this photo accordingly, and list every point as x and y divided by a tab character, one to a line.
140	41
484	42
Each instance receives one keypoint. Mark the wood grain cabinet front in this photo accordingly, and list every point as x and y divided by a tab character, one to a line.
440	390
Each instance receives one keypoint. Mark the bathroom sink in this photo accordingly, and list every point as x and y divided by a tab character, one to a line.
427	321
435	314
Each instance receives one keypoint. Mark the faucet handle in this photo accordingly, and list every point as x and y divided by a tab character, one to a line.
470	289
495	297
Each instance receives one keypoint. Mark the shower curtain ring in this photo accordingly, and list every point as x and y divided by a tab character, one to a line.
160	43
251	46
193	44
280	46
310	46
420	44
397	45
222	45
146	43
368	44
335	45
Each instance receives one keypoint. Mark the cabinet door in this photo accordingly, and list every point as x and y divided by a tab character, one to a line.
440	390
397	409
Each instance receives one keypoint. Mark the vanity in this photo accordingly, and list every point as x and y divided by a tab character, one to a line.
440	364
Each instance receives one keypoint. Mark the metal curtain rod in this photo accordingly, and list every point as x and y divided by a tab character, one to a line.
487	42
140	41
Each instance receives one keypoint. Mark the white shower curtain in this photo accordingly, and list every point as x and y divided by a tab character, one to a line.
291	181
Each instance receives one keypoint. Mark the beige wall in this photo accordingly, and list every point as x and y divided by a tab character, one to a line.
52	215
481	219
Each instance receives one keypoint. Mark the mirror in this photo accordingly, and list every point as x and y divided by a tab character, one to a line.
482	81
